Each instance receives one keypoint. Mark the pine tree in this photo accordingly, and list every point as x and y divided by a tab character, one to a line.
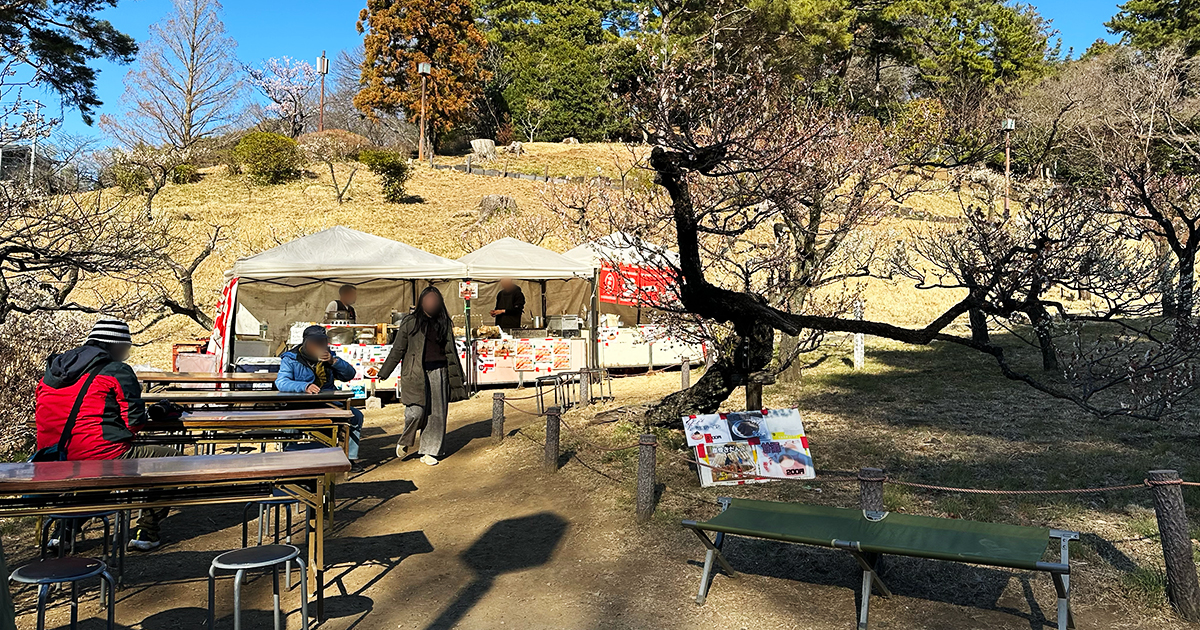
399	35
1150	24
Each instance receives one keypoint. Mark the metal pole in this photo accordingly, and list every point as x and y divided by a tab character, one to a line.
321	114
859	341
553	416
1007	168
421	147
37	112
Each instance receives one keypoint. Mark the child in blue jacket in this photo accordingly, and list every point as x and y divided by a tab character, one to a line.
311	368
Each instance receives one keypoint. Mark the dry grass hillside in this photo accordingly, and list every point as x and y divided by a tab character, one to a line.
260	217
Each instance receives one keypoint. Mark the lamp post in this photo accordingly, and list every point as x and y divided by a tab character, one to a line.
322	69
1007	127
422	69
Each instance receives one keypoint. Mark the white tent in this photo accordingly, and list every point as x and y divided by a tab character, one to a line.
295	281
343	255
511	258
624	249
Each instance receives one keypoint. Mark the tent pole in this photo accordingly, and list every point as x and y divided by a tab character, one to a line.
595	343
470	366
545	316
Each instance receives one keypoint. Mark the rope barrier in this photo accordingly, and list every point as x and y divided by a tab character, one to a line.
739	475
594	445
924	486
520	410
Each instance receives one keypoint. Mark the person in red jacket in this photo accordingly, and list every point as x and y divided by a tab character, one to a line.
111	410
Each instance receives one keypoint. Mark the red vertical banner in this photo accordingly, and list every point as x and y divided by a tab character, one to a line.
218	342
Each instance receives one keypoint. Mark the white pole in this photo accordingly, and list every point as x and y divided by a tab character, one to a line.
859	349
37	110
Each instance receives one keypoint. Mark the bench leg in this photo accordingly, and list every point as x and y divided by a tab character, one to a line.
714	553
1062	583
870	580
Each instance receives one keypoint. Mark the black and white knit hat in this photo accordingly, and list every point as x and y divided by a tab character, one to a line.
109	330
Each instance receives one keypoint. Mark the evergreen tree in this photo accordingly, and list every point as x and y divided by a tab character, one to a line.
1151	24
57	39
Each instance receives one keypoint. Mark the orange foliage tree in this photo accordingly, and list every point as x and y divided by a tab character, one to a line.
398	35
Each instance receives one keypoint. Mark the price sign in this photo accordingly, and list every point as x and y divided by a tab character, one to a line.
468	290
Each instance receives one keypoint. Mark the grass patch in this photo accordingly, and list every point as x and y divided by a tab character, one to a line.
1146	587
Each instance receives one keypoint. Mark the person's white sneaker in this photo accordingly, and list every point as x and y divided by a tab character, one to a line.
429	460
401	450
143	545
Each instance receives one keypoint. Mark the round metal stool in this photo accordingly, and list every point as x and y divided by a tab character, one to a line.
250	558
70	526
269	510
43	573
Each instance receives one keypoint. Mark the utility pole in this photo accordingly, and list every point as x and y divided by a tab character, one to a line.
1007	127
322	69
423	69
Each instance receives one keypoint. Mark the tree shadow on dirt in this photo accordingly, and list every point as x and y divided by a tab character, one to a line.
509	546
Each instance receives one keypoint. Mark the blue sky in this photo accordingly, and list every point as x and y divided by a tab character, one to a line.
303	28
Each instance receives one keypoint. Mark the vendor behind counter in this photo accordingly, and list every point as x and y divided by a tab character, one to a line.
510	305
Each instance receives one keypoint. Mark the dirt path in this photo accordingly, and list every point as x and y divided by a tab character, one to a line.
489	540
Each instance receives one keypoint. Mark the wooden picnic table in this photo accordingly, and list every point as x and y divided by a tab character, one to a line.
216	379
192	397
327	425
78	487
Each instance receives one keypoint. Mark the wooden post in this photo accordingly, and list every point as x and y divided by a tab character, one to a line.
859	346
1183	591
585	388
498	416
468	164
646	480
870	489
685	373
753	395
553	417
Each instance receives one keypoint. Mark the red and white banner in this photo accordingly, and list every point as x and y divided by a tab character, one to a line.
631	285
218	342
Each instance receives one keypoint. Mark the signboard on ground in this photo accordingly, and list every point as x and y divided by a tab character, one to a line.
749	446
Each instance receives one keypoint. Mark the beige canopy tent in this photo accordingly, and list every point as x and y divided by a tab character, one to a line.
295	281
553	284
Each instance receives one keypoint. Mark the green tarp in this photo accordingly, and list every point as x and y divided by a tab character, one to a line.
994	544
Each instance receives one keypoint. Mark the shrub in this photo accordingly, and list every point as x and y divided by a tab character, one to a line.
129	178
269	158
394	170
185	174
26	344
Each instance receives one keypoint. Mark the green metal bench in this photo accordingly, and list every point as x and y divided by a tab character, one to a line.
868	535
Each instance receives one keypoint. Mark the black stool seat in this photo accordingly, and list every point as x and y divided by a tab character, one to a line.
259	557
279	497
57	570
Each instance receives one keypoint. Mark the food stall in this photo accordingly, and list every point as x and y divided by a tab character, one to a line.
269	299
552	338
632	276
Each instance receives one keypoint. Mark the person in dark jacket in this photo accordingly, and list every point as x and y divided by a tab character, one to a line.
311	368
430	375
510	305
111	410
